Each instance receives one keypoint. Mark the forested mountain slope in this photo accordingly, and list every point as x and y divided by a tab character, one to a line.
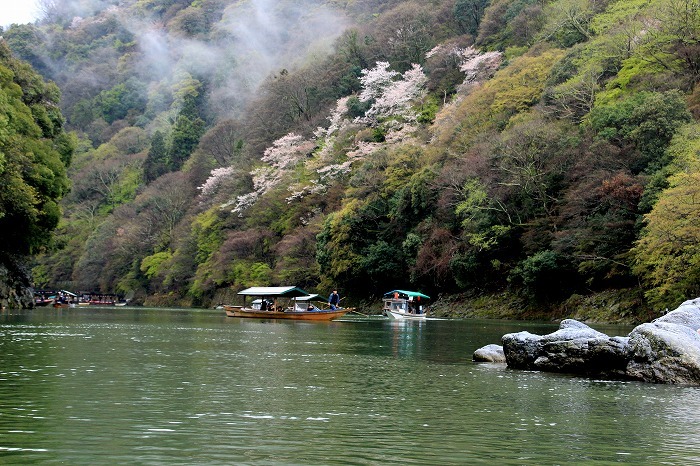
34	153
543	149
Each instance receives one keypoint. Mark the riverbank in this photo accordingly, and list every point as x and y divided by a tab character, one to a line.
611	306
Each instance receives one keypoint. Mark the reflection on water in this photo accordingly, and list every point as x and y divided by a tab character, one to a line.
192	387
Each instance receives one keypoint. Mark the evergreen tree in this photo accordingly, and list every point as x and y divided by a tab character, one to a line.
189	128
156	163
468	14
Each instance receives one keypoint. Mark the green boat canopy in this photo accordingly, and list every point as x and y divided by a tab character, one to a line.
274	291
406	294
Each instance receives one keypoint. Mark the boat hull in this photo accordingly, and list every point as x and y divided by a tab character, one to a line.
404	315
235	311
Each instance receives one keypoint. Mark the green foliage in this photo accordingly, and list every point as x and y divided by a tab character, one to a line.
507	23
667	257
357	108
156	163
520	85
187	131
33	157
116	103
334	250
682	154
428	109
646	120
246	274
617	14
568	22
541	275
154	264
468	14
633	72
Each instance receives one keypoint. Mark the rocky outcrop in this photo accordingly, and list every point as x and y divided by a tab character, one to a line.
15	284
666	350
490	353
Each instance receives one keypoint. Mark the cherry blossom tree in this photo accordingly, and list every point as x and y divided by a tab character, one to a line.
391	96
280	158
376	81
477	65
216	178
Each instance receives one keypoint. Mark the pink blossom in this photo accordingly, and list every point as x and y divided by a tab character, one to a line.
284	154
216	177
392	97
375	81
287	151
476	65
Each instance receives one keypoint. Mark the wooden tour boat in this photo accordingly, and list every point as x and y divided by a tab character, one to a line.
282	302
402	304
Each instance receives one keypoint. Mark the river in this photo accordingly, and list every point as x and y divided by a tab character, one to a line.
162	387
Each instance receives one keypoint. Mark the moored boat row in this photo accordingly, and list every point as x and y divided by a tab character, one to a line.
64	298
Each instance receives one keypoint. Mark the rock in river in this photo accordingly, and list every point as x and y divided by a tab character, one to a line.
490	353
666	350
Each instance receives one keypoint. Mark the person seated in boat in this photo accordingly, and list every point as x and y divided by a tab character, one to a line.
334	300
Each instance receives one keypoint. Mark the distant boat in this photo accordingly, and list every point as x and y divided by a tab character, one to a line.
402	304
41	301
282	302
62	298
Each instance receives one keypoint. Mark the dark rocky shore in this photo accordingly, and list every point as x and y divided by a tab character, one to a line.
665	350
15	284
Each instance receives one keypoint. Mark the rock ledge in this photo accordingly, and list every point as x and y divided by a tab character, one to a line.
666	350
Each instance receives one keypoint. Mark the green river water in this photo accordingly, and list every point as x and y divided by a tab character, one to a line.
165	387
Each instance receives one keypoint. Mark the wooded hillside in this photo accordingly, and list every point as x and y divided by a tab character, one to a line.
546	149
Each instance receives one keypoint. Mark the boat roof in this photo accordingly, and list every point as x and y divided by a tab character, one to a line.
311	297
409	294
286	291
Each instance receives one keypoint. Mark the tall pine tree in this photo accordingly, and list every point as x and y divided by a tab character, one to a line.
156	163
189	128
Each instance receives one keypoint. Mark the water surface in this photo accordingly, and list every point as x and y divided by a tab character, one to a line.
153	387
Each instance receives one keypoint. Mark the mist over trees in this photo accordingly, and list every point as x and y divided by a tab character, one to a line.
547	151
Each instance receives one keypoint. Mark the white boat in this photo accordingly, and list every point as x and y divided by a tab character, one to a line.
402	304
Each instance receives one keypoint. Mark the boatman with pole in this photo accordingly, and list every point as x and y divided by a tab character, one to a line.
334	300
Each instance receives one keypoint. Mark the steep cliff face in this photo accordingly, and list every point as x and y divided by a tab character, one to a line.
15	284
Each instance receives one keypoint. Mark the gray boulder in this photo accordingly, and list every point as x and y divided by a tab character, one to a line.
666	350
575	347
489	353
687	314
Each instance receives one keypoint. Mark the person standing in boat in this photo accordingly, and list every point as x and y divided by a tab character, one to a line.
334	300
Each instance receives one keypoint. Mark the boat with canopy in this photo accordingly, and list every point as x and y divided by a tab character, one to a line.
281	302
402	304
